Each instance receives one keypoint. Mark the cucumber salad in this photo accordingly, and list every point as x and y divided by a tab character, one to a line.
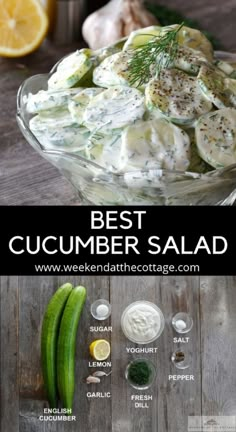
119	109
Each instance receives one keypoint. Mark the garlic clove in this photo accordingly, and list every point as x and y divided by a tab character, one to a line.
92	380
99	374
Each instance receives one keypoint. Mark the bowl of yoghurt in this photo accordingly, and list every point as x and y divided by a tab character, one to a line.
168	140
142	322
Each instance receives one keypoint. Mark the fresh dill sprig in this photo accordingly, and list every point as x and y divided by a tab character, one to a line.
157	54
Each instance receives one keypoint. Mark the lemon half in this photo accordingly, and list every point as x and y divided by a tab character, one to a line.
100	349
23	26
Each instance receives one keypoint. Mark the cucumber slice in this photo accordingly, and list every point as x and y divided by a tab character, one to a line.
51	118
194	39
73	139
187	37
49	99
186	59
154	144
71	70
140	37
233	74
114	108
216	137
78	103
107	51
197	164
220	90
105	150
230	89
178	96
113	70
63	134
212	85
152	115
189	60
224	67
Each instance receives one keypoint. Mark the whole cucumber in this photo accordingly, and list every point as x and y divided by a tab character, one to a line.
67	346
49	337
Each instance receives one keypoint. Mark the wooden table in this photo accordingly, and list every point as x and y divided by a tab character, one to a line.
25	178
211	301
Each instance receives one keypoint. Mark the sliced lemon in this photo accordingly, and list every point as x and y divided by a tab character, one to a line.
100	349
23	26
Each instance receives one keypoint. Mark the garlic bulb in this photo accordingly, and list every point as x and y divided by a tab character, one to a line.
116	19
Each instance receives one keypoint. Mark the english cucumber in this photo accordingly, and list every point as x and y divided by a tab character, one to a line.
67	345
49	336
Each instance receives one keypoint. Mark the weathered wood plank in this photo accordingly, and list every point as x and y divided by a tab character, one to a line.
125	417
21	167
172	401
214	16
9	353
180	399
218	317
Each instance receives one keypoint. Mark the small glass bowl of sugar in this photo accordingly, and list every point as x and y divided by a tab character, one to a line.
100	309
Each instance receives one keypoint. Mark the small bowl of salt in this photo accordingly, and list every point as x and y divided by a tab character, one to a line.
182	322
100	309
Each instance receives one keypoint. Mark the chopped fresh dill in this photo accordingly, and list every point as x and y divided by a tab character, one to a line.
157	54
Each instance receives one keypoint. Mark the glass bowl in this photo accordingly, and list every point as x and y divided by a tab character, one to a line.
98	303
181	360
151	377
156	308
97	185
182	318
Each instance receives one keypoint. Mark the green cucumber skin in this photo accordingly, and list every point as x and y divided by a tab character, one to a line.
49	337
67	346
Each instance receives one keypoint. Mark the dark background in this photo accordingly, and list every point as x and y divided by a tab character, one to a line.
216	16
191	222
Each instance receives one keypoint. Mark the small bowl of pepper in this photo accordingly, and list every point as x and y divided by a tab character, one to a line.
140	373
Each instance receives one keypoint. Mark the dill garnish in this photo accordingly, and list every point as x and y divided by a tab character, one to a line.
157	54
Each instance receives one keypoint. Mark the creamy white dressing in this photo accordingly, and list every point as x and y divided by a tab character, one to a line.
90	108
113	70
154	144
141	322
177	96
114	109
216	137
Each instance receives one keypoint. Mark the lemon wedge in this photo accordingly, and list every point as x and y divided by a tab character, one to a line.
23	26
100	349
